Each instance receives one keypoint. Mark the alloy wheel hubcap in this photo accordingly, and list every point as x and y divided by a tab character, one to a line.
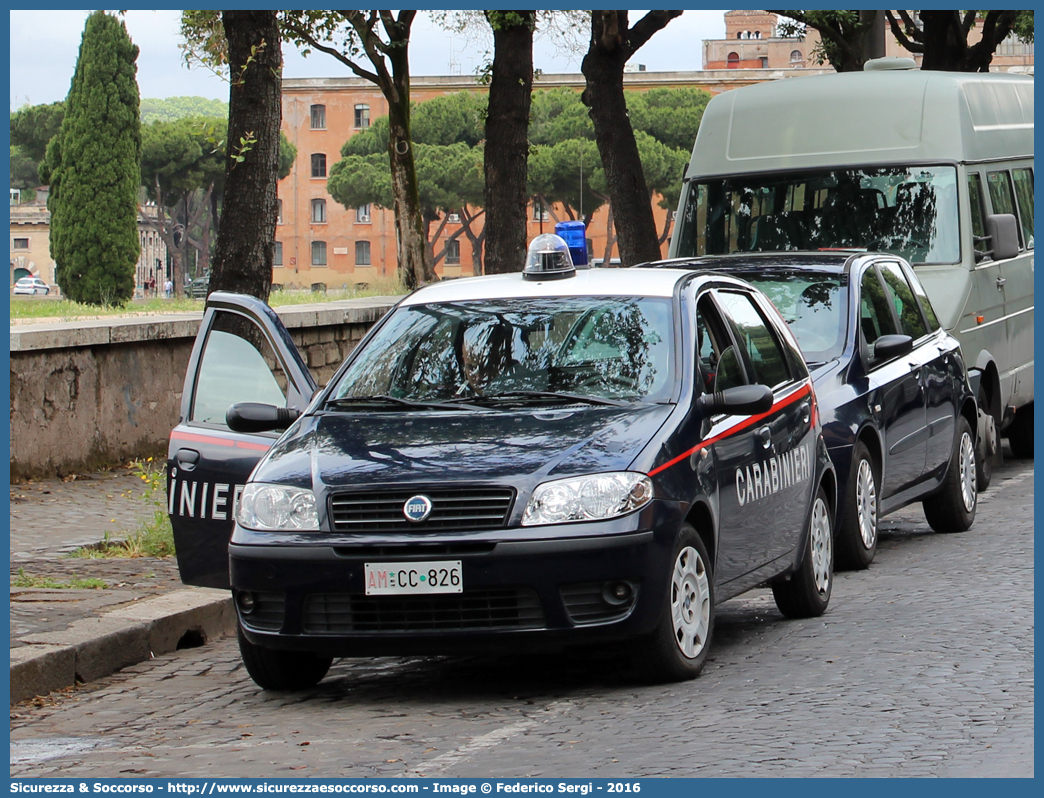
690	602
866	504
820	543
967	465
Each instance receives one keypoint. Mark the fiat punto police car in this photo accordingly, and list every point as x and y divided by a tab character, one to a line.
540	460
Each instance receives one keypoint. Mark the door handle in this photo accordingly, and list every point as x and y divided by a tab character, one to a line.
765	434
1000	282
187	459
806	412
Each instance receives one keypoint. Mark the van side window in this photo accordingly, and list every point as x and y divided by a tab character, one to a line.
906	306
975	200
875	317
1024	201
1001	195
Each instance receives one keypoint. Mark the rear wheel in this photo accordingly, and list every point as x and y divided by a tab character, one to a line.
952	509
806	593
1020	433
275	669
987	444
857	532
677	648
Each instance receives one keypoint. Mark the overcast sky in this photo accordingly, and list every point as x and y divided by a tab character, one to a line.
44	45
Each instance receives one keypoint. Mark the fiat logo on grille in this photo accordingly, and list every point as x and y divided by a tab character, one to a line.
417	508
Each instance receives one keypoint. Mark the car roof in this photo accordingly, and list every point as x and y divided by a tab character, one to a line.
836	262
645	282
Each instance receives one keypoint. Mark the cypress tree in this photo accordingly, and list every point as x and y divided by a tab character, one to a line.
95	170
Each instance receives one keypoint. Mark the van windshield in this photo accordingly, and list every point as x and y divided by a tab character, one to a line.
907	211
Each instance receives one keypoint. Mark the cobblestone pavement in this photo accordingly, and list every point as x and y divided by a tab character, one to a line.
922	666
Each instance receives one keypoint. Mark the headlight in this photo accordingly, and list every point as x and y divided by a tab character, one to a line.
277	508
591	498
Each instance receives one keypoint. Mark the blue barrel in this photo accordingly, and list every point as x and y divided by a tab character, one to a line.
575	236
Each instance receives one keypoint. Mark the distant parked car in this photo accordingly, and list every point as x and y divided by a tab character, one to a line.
31	285
198	288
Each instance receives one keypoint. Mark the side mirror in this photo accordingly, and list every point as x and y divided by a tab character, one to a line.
1003	232
743	400
888	346
256	417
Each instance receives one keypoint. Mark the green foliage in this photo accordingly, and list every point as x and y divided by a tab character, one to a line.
96	170
556	115
183	155
24	171
287	155
671	116
34	125
172	109
75	583
1023	27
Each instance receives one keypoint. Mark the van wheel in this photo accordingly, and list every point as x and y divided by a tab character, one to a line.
275	669
1020	433
806	593
987	445
677	648
952	509
857	532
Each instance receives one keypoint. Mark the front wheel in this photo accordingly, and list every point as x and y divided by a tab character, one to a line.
806	593
275	669
952	509
677	648
857	532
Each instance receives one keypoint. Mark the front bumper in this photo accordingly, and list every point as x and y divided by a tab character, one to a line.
518	592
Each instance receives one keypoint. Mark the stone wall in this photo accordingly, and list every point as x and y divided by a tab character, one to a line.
86	395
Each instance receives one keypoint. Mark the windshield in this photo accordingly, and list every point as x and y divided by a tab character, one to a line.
908	211
604	347
813	305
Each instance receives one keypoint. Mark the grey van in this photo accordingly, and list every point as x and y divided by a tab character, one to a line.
936	167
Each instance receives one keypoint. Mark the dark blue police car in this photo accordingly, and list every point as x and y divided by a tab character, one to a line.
542	460
899	416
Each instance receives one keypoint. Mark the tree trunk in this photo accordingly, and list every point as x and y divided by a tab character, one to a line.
506	154
246	240
603	68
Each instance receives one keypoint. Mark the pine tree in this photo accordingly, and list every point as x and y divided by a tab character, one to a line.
94	166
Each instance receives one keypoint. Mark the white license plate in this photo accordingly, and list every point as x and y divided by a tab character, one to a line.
412	578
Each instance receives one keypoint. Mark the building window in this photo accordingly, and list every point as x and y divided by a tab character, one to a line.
453	253
764	62
318	117
733	58
796	57
540	212
319	164
20	243
318	253
277	256
362	116
279	211
362	215
318	211
757	34
362	253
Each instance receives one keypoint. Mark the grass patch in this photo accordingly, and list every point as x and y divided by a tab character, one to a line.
75	583
66	310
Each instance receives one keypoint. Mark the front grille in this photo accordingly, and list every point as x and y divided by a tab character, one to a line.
415	550
341	613
268	612
452	508
586	604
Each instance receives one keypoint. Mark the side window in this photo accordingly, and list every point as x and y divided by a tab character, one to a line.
922	298
757	338
1001	195
718	362
1024	200
902	297
238	365
975	200
875	316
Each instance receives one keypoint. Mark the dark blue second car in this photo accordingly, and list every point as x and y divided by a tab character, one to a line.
899	416
539	460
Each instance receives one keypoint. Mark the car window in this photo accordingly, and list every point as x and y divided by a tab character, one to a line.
813	305
875	315
1024	200
238	365
902	297
758	340
718	363
922	298
1001	195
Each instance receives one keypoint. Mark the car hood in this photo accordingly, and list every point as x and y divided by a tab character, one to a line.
340	449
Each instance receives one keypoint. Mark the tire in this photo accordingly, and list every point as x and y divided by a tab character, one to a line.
857	532
677	649
806	592
983	458
1020	433
274	669
952	509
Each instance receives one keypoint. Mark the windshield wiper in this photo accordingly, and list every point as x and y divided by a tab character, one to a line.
514	396
385	399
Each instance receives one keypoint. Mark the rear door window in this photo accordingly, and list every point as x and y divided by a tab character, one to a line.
875	316
758	340
907	308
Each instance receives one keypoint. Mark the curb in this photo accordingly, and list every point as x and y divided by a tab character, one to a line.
95	647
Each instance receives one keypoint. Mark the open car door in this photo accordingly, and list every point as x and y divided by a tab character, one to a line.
242	353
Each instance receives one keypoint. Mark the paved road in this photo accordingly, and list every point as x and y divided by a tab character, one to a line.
923	666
